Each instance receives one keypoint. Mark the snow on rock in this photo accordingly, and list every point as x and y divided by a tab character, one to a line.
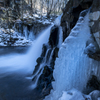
74	95
36	15
58	20
94	15
11	38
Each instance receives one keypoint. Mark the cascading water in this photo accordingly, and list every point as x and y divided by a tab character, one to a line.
49	54
26	61
73	68
37	74
23	64
28	33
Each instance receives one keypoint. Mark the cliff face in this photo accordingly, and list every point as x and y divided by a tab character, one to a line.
70	16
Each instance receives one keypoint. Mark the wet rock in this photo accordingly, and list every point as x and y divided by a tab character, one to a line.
49	54
32	25
71	14
93	83
54	36
44	49
39	60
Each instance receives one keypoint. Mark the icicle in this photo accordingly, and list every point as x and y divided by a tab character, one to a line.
31	34
73	68
25	32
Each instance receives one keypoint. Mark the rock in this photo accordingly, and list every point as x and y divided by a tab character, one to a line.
74	95
31	25
39	60
71	14
92	48
54	36
95	20
49	54
95	5
44	49
97	37
94	16
95	94
93	83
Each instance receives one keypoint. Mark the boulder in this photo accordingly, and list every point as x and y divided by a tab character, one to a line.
54	36
95	94
47	62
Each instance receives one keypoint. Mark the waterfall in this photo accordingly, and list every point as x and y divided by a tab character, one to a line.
36	50
26	62
73	68
28	33
46	62
46	56
37	73
51	55
31	34
25	32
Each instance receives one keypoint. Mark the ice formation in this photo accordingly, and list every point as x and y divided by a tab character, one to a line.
73	68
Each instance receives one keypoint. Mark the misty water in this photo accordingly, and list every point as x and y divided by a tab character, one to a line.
16	68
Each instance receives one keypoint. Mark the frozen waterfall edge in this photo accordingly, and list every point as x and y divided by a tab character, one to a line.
78	65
